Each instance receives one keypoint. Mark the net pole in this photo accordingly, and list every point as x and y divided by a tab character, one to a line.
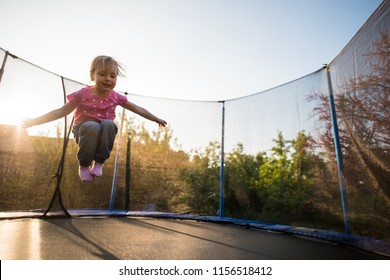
222	168
3	65
60	169
7	54
58	176
128	169
116	164
339	158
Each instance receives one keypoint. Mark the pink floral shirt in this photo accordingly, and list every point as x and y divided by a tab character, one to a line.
92	108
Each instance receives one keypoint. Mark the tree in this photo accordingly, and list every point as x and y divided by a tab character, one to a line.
285	179
362	104
241	174
202	181
155	169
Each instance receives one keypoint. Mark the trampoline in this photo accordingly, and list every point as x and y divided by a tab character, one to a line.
252	121
122	235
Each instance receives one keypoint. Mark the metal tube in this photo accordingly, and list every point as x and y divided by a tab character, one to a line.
3	65
116	165
222	167
60	169
128	169
339	158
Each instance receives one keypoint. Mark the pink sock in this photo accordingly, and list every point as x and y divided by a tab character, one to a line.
97	169
85	174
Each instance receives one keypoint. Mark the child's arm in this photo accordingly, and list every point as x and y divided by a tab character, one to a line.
51	116
144	113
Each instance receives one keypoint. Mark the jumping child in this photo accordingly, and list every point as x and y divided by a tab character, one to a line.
94	128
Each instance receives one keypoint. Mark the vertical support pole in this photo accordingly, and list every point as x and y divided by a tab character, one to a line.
128	169
7	54
3	65
339	158
60	168
116	164
222	168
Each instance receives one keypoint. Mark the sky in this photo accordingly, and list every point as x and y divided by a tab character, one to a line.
184	49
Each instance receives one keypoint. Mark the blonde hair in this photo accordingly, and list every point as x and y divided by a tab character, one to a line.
102	61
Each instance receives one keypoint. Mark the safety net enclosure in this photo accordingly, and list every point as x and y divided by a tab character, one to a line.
311	153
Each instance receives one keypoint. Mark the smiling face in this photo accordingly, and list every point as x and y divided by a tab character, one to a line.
105	78
104	72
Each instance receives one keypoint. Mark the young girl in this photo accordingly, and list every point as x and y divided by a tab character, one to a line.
94	128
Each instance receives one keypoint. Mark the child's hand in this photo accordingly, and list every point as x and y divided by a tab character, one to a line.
27	123
161	123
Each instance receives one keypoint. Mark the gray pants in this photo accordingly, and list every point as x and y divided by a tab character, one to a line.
95	141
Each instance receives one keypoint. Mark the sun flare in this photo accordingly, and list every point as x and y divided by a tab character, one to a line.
14	115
